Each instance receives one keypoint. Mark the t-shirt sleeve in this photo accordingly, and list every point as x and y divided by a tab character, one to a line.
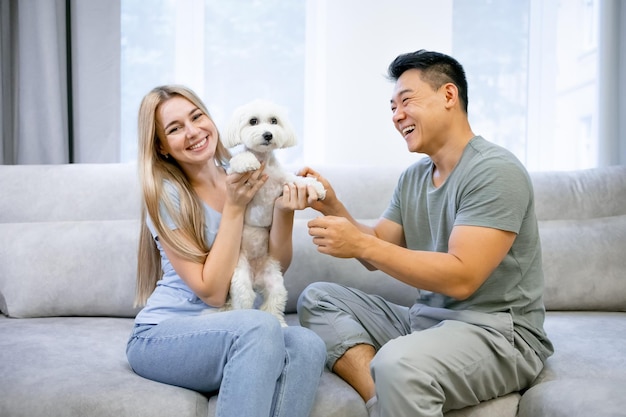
496	196
174	198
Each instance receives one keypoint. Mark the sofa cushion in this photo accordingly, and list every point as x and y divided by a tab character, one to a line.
587	344
335	398
75	367
84	268
505	406
575	398
580	194
68	192
584	263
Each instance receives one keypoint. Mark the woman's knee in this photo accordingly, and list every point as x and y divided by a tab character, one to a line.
305	345
259	324
259	328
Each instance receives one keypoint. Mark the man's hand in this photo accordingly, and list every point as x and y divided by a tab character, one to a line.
336	236
330	205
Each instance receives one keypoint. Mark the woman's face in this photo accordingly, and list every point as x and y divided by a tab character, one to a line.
186	133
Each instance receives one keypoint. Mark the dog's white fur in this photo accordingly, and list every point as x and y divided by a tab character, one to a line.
261	126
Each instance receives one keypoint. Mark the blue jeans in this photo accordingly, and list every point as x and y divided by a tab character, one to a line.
260	368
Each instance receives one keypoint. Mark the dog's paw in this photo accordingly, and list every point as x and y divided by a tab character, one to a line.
243	162
319	188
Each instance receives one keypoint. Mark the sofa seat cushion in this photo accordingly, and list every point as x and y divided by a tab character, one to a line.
505	406
334	398
587	345
76	366
575	398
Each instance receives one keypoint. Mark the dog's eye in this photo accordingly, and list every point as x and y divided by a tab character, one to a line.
274	121
254	121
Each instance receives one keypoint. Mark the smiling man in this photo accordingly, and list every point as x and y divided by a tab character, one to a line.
461	229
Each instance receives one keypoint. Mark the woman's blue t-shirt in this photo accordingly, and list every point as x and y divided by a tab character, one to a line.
172	296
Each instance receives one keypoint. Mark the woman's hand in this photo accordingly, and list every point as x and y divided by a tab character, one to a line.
294	197
241	188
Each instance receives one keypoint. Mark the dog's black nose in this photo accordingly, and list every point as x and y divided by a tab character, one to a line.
267	136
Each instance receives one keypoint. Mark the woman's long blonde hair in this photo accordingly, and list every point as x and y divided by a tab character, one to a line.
154	169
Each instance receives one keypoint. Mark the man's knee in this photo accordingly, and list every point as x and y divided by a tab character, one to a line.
308	301
394	366
388	366
400	377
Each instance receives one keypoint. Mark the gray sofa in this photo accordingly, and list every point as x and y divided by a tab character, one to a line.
68	236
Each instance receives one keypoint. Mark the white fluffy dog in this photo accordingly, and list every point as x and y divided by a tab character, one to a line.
261	127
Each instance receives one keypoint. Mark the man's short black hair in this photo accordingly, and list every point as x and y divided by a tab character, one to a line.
436	69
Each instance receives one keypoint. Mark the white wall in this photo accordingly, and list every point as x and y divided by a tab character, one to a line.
348	100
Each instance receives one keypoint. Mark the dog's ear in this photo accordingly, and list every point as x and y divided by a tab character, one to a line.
232	133
290	132
290	139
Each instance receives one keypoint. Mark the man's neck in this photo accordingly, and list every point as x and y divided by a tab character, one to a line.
448	157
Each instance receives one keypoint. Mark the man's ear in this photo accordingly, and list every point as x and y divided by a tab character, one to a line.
451	94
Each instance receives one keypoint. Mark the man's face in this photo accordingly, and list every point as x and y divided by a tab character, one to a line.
418	112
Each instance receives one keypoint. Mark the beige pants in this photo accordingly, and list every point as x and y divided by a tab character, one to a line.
428	360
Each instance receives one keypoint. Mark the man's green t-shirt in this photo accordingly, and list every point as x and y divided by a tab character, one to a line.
489	187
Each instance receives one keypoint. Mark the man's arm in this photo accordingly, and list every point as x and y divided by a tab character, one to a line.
332	206
473	254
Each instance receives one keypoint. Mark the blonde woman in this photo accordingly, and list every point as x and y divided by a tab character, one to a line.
189	246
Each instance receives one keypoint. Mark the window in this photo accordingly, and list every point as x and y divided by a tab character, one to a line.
228	52
531	67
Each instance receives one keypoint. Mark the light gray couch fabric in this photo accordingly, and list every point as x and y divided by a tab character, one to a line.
68	237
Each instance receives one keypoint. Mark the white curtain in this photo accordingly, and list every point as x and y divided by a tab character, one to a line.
60	81
34	82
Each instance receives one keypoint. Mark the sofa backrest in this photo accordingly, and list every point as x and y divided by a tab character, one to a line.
68	238
69	192
69	234
582	222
